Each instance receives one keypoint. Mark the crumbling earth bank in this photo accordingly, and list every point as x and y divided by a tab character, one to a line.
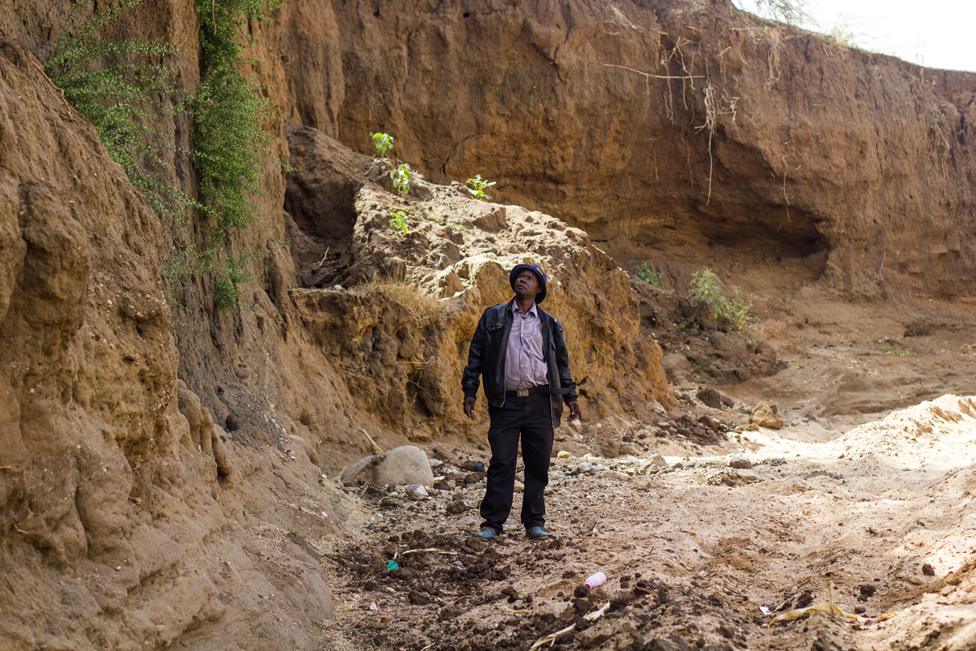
124	520
400	324
169	491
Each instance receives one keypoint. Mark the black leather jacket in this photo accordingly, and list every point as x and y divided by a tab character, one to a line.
486	358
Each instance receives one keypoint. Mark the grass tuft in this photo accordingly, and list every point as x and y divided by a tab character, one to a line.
706	289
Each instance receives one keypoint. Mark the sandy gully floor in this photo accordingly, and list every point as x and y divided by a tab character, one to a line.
853	527
703	552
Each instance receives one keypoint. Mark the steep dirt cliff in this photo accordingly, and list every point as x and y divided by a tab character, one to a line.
129	517
161	461
673	125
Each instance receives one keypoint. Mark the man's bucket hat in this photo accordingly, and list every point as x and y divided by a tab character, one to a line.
539	273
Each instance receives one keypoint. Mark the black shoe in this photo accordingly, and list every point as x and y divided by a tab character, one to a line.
537	533
486	533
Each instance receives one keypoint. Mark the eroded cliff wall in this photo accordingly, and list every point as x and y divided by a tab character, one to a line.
662	122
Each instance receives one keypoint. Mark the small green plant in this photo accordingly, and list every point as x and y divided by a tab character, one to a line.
398	221
227	288
382	143
400	178
645	274
706	289
894	351
478	188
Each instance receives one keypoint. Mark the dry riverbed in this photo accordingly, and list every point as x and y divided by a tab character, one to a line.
770	541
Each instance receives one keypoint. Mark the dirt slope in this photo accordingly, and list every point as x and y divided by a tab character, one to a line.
183	518
129	518
400	334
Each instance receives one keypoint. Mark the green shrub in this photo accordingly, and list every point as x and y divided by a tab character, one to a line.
478	187
123	87
400	178
645	274
398	222
382	143
706	289
227	288
228	136
227	132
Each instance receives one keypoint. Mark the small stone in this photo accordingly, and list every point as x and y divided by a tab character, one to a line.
740	463
764	415
928	570
713	398
418	598
403	465
456	508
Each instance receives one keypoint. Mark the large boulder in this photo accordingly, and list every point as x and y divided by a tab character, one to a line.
400	466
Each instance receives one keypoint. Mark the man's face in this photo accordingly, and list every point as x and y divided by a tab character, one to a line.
526	283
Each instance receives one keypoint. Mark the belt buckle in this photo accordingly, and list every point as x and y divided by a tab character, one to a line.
522	393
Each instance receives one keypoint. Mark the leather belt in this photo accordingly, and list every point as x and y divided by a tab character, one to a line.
525	393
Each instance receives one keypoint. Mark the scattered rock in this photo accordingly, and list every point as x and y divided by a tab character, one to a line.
805	599
866	590
733	477
713	398
493	221
928	570
406	464
473	466
418	598
659	462
417	491
765	415
672	643
456	506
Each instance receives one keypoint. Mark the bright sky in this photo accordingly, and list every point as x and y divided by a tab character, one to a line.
933	33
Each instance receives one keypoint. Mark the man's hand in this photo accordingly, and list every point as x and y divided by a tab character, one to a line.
469	406
574	410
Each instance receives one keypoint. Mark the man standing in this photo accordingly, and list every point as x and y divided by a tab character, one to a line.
520	352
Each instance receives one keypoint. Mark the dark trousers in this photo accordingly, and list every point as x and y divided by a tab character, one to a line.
529	418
